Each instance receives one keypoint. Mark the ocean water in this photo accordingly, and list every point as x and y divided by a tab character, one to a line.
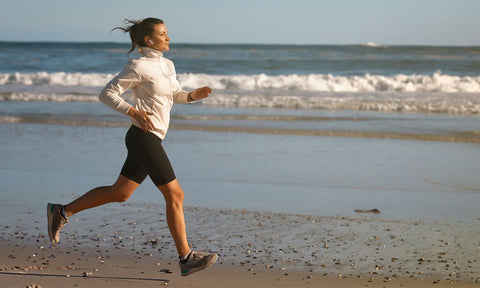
313	129
364	77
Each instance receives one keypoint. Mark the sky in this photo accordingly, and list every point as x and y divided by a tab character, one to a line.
384	22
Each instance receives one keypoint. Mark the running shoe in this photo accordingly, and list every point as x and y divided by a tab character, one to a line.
197	261
55	221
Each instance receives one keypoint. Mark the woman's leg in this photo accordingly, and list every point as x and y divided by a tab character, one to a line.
194	261
173	194
120	191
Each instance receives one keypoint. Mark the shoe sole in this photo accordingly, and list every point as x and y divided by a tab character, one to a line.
193	270
50	222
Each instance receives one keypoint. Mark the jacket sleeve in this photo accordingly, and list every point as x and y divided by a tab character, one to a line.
125	80
179	95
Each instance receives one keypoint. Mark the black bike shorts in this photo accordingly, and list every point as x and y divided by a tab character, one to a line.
146	157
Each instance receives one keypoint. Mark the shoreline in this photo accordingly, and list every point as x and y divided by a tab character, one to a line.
263	125
130	243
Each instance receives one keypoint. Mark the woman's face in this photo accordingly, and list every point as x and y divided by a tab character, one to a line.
159	39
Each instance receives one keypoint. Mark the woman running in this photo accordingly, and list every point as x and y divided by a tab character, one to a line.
155	88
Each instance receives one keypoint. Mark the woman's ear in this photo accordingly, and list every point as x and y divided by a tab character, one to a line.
147	40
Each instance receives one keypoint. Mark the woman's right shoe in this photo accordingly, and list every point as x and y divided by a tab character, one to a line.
197	261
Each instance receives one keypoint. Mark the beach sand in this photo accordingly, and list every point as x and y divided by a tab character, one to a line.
287	222
128	245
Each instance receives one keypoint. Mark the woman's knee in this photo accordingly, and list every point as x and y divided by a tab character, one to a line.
175	197
123	188
173	193
122	197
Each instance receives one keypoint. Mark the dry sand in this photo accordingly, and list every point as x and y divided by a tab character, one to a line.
129	245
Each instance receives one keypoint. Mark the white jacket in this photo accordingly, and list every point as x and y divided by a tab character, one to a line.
154	85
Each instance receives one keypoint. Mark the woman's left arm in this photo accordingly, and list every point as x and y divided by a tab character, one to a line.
199	94
182	96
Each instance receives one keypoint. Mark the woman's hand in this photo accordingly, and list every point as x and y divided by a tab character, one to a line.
200	93
142	118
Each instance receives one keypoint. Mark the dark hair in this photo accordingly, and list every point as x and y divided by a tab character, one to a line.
138	30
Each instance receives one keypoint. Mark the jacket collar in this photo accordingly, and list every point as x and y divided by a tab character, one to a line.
151	53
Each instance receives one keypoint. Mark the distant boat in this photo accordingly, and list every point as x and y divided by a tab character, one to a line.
371	44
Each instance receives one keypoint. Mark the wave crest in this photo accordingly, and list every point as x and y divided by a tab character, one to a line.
436	82
56	78
330	83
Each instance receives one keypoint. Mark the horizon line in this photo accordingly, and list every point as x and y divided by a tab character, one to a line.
365	44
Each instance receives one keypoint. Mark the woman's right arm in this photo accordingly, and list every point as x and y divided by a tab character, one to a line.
142	118
125	80
110	96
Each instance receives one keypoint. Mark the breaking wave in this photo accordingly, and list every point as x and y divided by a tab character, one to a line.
437	93
436	82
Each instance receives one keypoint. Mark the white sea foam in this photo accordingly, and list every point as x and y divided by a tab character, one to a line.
459	103
437	93
47	97
437	82
330	83
56	78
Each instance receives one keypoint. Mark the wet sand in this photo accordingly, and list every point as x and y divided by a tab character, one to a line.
128	245
426	234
